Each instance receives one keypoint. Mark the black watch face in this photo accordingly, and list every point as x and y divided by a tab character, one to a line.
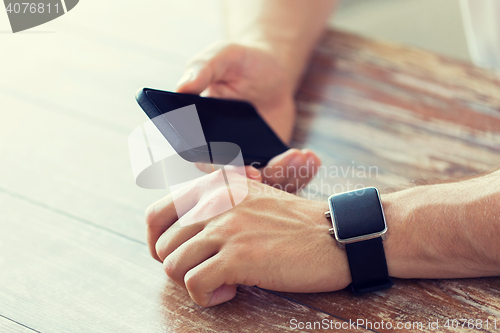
357	213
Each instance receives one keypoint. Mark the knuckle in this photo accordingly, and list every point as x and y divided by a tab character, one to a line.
151	215
228	227
220	193
247	256
215	185
216	177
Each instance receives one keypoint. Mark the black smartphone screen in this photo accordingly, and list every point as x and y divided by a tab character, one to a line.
221	120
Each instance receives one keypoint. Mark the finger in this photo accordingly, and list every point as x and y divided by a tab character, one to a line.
279	168
306	172
159	216
208	167
224	293
164	213
196	78
210	71
188	255
205	167
253	173
313	160
207	283
250	171
203	70
291	170
174	237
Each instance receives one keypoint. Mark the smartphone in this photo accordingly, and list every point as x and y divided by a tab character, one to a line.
179	117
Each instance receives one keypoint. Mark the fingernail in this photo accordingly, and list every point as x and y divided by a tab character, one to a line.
253	173
311	157
188	76
311	160
297	161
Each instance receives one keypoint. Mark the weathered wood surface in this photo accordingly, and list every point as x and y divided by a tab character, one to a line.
72	253
407	113
413	116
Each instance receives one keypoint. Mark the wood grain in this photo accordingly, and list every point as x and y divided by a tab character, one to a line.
408	113
415	117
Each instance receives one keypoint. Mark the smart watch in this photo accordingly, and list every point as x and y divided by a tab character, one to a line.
359	227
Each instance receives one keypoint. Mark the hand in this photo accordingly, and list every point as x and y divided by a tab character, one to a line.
254	73
290	171
246	72
272	240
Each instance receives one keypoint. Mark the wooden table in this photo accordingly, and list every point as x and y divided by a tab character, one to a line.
72	248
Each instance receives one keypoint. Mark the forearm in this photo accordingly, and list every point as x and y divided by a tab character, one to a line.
445	230
289	27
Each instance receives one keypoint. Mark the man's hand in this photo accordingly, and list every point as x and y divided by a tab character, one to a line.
246	72
279	241
272	240
254	74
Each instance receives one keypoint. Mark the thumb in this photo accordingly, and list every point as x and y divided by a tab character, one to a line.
253	173
222	294
287	170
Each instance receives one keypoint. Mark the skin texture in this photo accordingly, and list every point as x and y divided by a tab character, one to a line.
445	230
279	241
273	239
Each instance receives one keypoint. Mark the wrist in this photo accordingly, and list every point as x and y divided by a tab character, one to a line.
398	252
417	245
333	272
413	246
434	232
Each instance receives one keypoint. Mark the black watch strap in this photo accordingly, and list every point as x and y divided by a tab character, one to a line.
368	266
